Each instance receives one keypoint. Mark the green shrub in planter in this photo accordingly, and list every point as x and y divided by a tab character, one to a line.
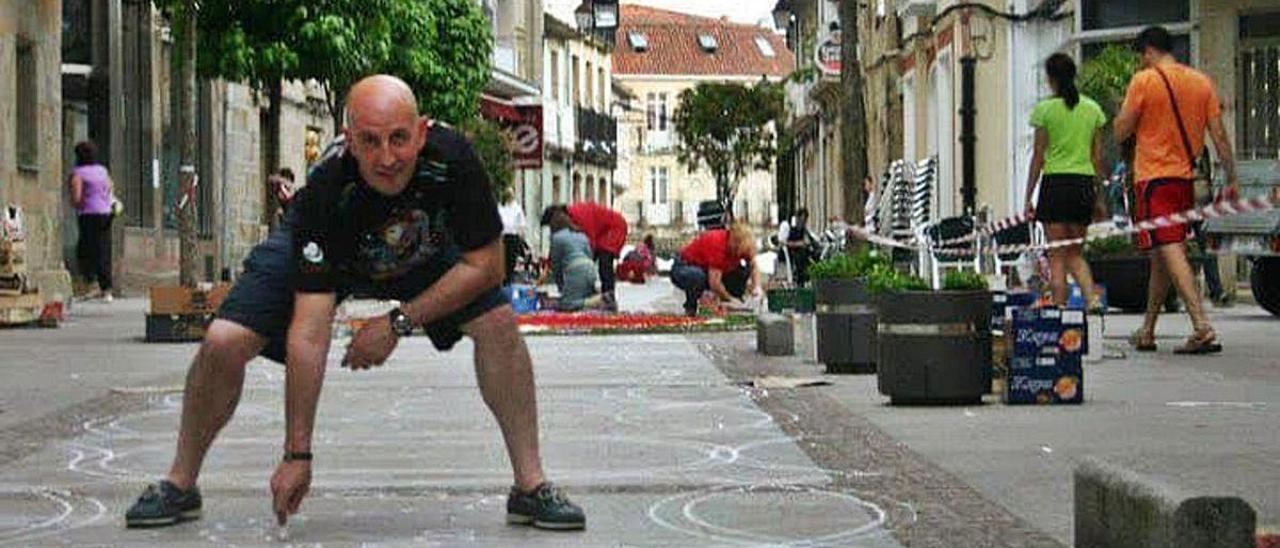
850	266
1111	246
882	280
963	280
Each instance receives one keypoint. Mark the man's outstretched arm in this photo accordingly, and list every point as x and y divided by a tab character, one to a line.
308	348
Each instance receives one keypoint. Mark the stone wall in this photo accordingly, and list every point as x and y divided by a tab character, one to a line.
34	183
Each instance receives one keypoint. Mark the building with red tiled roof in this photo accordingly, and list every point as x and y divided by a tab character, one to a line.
673	46
659	54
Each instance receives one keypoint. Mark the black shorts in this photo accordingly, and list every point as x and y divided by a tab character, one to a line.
1066	199
262	299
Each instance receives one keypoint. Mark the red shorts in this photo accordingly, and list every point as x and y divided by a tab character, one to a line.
1158	198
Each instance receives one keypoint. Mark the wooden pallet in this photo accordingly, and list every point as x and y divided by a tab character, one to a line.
20	310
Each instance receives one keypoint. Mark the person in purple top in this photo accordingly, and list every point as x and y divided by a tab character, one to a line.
91	195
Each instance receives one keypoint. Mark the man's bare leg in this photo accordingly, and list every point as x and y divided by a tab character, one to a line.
213	390
1174	257
1157	290
504	372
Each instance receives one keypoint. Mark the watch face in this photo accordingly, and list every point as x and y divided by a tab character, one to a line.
401	323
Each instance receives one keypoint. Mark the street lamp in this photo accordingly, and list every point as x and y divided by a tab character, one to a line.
782	14
584	17
598	17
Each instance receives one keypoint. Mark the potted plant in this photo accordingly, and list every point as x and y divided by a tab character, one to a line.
1125	271
934	346
846	317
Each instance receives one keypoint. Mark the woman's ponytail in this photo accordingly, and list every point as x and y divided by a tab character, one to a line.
1062	70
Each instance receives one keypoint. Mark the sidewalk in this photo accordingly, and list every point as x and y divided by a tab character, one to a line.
1210	424
642	430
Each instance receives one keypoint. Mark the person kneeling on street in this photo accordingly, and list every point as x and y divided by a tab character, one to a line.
720	260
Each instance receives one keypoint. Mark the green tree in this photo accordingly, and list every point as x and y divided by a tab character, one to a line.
440	47
1105	79
729	129
493	145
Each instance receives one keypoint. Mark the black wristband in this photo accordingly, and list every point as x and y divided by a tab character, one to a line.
297	455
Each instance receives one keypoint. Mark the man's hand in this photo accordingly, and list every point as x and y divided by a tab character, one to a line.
371	345
289	485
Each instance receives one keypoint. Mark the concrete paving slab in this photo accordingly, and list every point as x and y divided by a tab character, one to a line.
644	432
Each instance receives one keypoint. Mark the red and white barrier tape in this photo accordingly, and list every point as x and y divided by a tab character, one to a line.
986	230
1212	211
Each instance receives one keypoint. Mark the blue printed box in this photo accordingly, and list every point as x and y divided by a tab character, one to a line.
1046	362
1049	331
1003	303
1045	386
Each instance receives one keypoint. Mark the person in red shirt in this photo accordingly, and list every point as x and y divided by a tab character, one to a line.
606	229
704	263
1169	107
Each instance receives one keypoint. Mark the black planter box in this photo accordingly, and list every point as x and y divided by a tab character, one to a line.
846	326
1126	278
935	347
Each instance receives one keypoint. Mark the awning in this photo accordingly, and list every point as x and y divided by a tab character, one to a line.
497	109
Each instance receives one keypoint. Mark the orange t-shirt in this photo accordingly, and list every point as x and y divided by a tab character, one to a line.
1161	153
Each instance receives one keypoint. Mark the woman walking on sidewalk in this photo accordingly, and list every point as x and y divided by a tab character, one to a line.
91	195
1068	150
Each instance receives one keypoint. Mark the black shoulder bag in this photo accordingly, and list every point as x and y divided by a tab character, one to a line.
1182	130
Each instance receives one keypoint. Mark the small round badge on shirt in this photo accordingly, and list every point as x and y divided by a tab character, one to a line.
312	252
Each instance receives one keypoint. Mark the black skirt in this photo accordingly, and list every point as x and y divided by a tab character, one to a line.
1066	199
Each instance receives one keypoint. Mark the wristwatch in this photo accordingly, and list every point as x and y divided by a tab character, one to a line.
400	322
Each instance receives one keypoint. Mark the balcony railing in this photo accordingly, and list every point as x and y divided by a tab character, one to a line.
597	139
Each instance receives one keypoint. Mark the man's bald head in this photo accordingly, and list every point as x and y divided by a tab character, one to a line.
382	92
384	131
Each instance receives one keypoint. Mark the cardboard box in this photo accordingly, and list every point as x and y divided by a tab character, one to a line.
1004	303
177	327
1045	386
1045	362
1049	331
187	300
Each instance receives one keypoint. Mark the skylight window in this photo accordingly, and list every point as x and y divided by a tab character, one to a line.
766	49
708	43
638	41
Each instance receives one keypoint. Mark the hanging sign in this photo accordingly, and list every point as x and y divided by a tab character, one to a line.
827	54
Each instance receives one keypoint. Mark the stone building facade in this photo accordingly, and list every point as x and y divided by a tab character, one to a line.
30	134
660	54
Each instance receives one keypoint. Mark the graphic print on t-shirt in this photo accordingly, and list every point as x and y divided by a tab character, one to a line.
406	241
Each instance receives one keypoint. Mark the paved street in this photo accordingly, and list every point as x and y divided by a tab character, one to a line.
642	430
650	433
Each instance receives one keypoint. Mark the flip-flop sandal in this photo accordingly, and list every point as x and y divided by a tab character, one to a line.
1196	345
1142	344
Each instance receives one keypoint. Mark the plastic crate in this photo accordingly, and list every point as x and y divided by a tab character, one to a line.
799	299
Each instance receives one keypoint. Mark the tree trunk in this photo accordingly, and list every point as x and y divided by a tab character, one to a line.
275	94
187	119
853	126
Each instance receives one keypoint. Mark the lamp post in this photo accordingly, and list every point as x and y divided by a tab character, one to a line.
598	17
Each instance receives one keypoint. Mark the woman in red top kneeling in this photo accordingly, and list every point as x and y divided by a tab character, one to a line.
719	260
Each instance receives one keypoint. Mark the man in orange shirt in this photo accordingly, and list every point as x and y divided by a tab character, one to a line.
1168	107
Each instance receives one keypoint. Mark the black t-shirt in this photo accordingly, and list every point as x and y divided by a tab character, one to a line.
352	239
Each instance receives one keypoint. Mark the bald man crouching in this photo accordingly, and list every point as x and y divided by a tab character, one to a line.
405	212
